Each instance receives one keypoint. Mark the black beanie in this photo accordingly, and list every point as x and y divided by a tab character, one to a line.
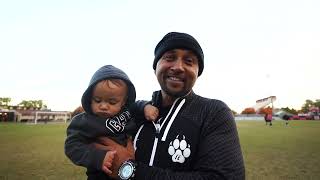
176	40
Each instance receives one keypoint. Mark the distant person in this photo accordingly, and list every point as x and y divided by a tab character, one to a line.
194	138
268	119
106	103
286	118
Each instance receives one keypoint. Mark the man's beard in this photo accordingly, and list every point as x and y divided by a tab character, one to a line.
175	94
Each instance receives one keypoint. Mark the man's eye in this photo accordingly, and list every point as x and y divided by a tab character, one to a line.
189	60
168	57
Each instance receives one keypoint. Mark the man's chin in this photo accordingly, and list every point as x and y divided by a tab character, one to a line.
177	94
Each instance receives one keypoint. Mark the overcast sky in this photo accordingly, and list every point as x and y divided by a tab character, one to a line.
253	49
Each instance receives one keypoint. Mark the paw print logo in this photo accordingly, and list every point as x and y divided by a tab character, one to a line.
179	150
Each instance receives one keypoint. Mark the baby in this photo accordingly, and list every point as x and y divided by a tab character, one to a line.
109	105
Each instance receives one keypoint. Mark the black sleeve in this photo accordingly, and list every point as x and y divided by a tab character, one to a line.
219	153
137	110
220	150
77	145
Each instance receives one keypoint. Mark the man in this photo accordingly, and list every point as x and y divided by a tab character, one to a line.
193	137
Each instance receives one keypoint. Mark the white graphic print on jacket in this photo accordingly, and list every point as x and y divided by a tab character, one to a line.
179	150
117	123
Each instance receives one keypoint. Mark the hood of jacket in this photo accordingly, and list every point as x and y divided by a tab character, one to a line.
107	72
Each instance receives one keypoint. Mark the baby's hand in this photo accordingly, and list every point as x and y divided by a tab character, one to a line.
151	112
107	162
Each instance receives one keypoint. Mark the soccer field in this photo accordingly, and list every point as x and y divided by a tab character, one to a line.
279	151
270	152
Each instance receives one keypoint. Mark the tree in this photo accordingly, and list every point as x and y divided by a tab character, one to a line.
248	111
267	110
292	111
317	103
4	101
310	104
35	104
305	108
26	104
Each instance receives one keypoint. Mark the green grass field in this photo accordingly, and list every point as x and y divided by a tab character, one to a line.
281	152
277	152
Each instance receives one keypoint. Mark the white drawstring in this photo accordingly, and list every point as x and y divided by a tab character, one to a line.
158	128
171	120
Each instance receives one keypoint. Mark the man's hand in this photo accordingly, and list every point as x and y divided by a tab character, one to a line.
122	153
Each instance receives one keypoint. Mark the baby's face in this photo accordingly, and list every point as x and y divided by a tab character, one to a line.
108	98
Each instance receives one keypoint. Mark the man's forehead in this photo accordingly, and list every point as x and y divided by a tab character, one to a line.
180	49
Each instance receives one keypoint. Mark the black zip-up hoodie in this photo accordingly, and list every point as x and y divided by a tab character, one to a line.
86	127
194	139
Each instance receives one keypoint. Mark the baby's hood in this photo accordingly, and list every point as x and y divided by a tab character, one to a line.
107	72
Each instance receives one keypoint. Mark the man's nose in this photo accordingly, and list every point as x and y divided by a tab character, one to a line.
178	64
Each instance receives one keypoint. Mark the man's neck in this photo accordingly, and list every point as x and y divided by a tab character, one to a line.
168	100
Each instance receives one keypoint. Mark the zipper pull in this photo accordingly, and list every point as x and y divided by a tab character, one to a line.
157	128
157	125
